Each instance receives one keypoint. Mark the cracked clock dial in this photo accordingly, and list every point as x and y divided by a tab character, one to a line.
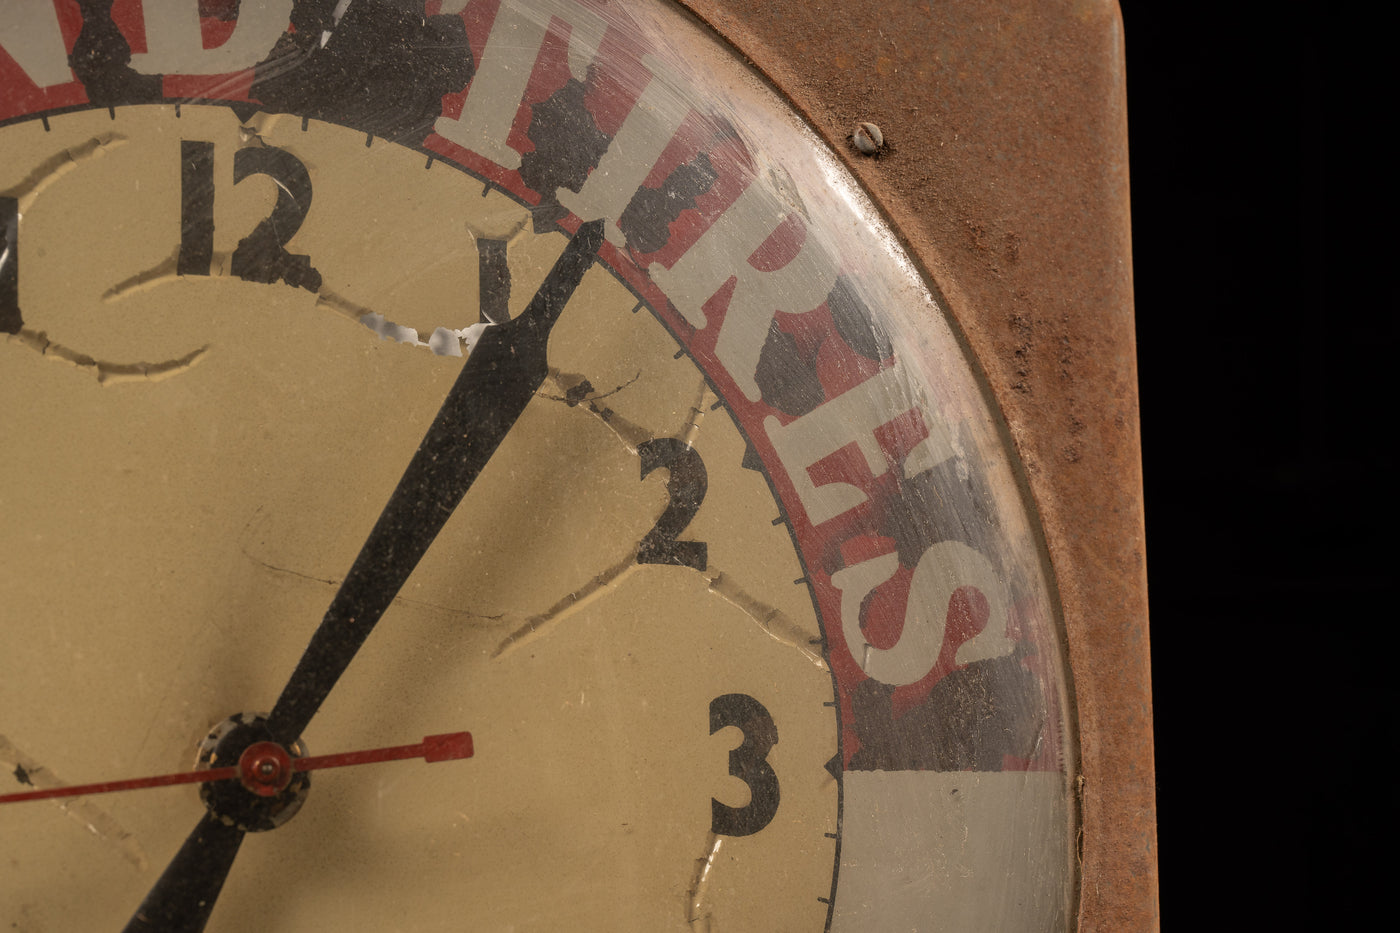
745	615
615	608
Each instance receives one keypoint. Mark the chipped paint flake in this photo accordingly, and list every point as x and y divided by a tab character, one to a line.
592	591
443	341
92	817
698	908
58	165
575	390
106	372
775	623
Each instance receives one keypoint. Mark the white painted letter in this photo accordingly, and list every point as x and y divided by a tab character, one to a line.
852	417
512	47
639	142
174	44
942	570
722	253
29	32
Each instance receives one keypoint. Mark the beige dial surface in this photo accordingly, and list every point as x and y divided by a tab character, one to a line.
191	463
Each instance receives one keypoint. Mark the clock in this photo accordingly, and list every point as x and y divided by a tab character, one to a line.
541	375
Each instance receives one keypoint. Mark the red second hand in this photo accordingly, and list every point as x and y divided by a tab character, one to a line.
434	748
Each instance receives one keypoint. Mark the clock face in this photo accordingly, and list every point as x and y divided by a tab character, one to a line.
744	613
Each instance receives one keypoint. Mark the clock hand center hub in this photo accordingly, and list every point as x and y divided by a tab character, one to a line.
265	768
267	792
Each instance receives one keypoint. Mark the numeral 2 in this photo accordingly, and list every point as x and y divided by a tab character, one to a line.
261	256
748	763
686	486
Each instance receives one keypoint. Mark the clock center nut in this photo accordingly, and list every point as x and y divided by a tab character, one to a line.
267	792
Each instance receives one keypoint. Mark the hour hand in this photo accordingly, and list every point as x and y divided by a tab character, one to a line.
184	895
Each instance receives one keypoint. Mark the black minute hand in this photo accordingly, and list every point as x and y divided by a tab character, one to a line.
497	381
500	377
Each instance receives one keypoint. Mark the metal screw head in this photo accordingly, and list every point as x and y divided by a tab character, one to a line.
868	139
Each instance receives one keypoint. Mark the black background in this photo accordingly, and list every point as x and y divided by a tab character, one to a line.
1260	354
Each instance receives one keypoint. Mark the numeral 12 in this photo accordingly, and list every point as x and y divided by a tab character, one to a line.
261	256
